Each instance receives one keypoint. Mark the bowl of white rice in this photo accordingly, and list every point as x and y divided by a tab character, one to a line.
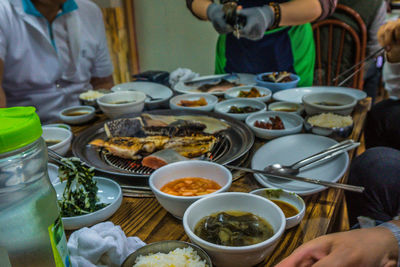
168	253
88	98
329	124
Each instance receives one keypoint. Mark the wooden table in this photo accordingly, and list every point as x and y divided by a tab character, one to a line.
326	211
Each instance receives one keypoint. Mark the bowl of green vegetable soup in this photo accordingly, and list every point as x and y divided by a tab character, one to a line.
235	229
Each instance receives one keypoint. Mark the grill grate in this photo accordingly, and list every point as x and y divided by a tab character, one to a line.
135	167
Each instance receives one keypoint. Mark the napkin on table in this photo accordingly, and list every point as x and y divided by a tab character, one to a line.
181	74
103	244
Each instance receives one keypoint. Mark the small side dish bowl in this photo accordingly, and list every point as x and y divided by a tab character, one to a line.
286	107
176	205
57	139
165	247
289	198
121	103
77	114
89	97
58	125
292	122
338	103
330	129
224	107
275	87
157	95
235	91
211	100
108	192
235	256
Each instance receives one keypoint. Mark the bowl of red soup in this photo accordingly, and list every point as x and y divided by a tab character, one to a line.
177	185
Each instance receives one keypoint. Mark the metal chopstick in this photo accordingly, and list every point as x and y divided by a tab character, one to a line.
356	65
358	189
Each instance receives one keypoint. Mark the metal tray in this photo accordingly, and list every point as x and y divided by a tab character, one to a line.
239	135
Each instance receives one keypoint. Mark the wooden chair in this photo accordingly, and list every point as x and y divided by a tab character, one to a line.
335	40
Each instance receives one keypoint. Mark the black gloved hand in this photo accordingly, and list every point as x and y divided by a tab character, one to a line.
258	20
216	16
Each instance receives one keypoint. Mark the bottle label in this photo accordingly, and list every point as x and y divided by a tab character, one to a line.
59	243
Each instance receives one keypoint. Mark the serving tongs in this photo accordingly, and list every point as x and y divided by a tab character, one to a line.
349	70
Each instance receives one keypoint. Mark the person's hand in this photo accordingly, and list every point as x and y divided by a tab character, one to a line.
371	247
258	20
389	37
215	14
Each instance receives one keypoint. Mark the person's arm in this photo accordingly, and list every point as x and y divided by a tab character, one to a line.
389	37
299	12
3	100
102	83
199	8
364	247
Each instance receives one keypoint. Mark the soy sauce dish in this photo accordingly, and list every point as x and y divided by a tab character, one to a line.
290	203
77	114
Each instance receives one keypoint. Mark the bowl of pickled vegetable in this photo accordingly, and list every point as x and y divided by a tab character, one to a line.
249	92
177	185
240	109
235	229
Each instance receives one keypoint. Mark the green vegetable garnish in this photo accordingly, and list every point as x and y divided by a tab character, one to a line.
80	193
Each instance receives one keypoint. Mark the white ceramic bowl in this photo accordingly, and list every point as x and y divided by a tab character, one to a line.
88	113
288	197
176	205
165	246
346	103
286	107
293	124
210	99
157	94
109	103
59	125
224	106
52	170
54	133
234	92
108	192
227	256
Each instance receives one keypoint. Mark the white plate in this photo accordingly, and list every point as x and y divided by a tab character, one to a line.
294	95
157	91
108	192
52	170
289	149
243	78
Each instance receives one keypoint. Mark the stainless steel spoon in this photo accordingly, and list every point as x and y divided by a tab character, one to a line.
319	157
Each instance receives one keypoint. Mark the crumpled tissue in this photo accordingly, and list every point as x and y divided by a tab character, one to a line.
181	75
103	244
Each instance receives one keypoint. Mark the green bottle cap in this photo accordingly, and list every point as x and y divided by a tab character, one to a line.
19	126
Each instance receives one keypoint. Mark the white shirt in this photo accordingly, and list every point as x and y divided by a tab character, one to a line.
391	77
50	73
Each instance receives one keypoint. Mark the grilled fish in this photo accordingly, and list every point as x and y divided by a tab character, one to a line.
130	147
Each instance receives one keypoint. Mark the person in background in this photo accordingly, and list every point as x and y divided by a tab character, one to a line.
50	52
383	121
378	170
277	35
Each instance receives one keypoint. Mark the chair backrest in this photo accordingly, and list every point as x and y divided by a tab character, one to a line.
338	47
